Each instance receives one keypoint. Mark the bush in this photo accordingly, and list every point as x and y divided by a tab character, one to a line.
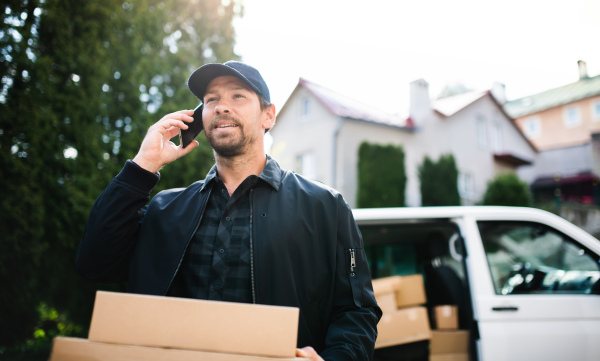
439	182
507	190
381	176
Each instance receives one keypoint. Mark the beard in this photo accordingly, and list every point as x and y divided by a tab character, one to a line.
230	145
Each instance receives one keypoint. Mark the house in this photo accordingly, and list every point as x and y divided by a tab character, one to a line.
319	131
564	126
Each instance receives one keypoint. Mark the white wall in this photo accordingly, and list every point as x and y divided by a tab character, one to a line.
294	134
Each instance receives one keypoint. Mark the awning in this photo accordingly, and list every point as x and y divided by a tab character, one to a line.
584	177
511	159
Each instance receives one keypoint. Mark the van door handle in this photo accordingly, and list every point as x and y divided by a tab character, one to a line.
505	308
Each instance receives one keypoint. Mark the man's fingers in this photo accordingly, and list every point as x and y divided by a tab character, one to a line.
308	352
185	115
189	148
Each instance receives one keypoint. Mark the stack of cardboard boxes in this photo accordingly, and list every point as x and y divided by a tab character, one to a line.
129	327
405	319
448	343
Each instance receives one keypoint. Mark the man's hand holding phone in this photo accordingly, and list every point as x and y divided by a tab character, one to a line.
157	149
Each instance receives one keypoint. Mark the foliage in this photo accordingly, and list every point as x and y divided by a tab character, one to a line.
439	182
507	189
381	176
81	83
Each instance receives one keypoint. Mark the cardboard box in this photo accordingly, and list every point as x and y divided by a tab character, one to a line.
411	292
450	357
183	323
385	292
449	342
77	349
446	317
403	326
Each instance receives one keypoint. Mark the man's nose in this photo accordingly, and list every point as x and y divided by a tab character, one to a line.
221	107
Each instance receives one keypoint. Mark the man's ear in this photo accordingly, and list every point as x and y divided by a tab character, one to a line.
269	117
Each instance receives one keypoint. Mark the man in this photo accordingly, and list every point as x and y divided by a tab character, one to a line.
249	232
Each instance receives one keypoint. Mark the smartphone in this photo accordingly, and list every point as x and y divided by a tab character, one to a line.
194	128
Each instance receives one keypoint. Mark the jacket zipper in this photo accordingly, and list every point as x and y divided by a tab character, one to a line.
188	242
252	248
352	261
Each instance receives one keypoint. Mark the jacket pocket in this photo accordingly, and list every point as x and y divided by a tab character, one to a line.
355	273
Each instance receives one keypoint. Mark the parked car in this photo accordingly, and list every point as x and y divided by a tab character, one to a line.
526	282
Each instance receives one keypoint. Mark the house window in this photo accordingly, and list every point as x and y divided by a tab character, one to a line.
497	137
306	165
532	127
481	132
304	108
596	110
572	117
466	185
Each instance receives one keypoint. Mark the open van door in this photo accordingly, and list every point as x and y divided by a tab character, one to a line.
536	291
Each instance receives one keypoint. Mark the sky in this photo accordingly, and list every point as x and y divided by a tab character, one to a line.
371	50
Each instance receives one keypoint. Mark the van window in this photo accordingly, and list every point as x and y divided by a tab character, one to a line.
531	258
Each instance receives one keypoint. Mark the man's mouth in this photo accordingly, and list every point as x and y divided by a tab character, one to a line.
226	125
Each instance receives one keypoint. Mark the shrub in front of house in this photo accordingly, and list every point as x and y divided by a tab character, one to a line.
507	189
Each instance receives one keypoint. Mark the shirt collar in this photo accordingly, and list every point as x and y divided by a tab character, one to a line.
271	174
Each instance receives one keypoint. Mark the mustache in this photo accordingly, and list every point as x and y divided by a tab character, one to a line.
224	117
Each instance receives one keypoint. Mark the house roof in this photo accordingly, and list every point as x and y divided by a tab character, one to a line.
582	89
451	105
343	106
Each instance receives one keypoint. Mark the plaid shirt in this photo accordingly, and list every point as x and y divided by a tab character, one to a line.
216	265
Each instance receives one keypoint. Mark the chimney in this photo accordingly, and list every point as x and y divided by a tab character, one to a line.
499	92
420	104
582	69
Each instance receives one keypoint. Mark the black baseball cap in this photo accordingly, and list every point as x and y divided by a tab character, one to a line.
202	76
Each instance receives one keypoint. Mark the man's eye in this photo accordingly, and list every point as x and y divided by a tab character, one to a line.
209	100
239	96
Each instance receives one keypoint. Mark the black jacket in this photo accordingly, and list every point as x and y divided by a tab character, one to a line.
307	252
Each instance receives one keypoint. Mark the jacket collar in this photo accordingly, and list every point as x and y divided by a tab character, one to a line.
271	174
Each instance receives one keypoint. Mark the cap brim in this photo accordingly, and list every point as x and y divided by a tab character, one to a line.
201	77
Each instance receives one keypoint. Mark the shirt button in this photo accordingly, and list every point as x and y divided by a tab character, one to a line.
221	251
227	219
223	191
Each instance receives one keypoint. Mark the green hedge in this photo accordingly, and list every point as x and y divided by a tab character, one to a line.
381	176
439	182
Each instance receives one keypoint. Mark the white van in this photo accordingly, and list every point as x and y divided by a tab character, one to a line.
526	282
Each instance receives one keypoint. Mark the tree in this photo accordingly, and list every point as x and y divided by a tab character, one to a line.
439	182
381	176
507	189
81	83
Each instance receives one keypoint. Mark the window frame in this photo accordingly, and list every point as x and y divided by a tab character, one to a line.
571	122
532	127
565	239
596	110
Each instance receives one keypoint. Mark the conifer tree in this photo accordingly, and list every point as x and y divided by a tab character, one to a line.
439	182
81	83
381	176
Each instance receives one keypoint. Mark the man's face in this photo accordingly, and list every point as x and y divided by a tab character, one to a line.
233	120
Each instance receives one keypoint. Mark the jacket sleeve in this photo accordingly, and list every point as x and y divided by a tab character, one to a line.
110	235
353	326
